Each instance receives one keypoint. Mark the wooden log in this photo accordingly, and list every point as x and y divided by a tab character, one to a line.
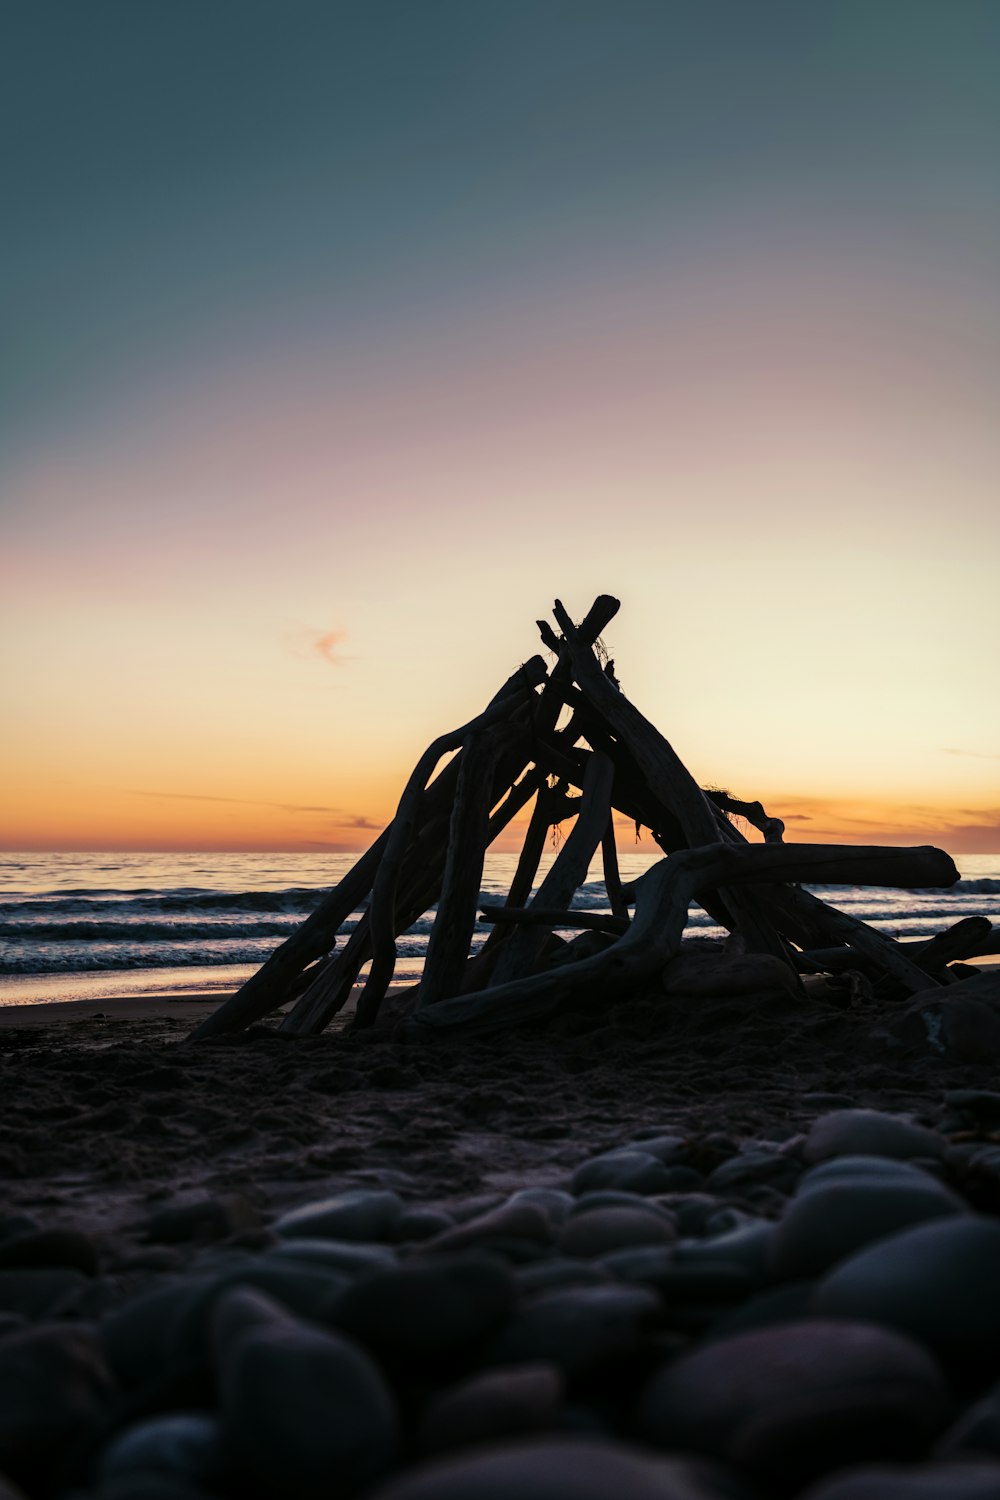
421	885
773	829
567	873
654	935
972	937
665	774
382	910
451	934
612	875
551	916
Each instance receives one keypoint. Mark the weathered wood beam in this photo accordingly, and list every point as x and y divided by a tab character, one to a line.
612	874
550	917
567	873
654	936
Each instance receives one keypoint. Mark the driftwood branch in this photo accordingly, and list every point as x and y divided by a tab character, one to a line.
662	898
552	916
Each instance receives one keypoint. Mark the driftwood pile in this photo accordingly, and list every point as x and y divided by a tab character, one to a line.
554	727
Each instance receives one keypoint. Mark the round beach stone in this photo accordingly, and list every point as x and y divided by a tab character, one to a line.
342	1256
606	1229
976	1431
748	1246
788	1402
361	1214
869	1132
561	1271
427	1310
834	1219
850	1168
554	1202
938	1282
55	1386
512	1402
523	1222
554	1469
630	1170
967	1481
577	1329
418	1224
752	1168
51	1247
41	1291
184	1445
304	1412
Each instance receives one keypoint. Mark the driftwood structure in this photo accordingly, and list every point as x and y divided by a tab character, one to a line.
558	727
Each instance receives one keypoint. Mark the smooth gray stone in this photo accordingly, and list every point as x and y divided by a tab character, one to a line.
138	1337
631	1171
55	1386
418	1224
504	1229
707	1282
560	1271
672	1150
66	1248
427	1310
495	1405
360	1214
185	1445
343	1256
835	1219
554	1202
789	1402
40	1292
788	1303
603	1230
692	1212
938	1282
967	1481
726	1219
751	1168
977	1430
568	1468
869	1132
304	1412
749	1246
576	1329
681	1179
851	1168
212	1218
616	1198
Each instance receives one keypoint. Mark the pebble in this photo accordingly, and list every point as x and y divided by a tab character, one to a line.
602	1230
633	1171
749	1246
345	1256
577	1329
510	1226
39	1292
561	1271
184	1445
972	1481
869	1132
976	1431
55	1387
203	1219
753	1167
68	1248
416	1224
499	1404
276	1375
427	1311
561	1469
850	1168
361	1214
787	1402
938	1282
836	1218
554	1202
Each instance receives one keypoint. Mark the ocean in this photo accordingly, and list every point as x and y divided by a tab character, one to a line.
93	926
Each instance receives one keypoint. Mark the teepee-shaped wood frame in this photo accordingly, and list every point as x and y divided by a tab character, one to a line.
517	750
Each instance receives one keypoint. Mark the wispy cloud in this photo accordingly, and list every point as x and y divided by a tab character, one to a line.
325	644
344	819
975	754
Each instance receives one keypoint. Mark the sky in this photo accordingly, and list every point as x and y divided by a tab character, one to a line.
339	339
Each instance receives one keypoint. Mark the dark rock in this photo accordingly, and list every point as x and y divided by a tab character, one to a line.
40	1293
977	1430
204	1219
616	1198
787	1403
276	1374
868	1132
361	1214
605	1229
54	1388
339	1256
749	1245
971	1481
426	1311
850	1168
554	1469
182	1445
417	1224
789	1303
69	1248
751	1168
706	975
577	1329
512	1402
554	1202
835	1219
630	1170
519	1221
937	1282
547	1275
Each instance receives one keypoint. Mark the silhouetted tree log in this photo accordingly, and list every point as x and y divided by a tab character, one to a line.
664	773
552	916
972	937
663	895
567	873
612	876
